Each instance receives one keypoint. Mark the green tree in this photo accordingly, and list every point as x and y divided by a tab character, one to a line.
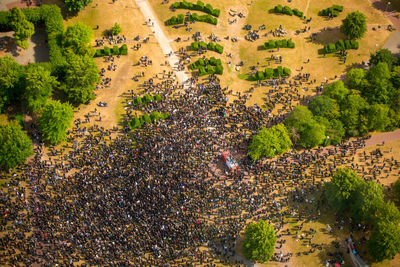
10	77
341	188
325	107
54	121
396	189
312	134
354	25
23	29
39	85
15	146
389	213
77	39
353	115
366	201
116	29
336	90
270	142
355	78
383	55
76	5
379	87
259	243
385	241
81	78
334	130
378	117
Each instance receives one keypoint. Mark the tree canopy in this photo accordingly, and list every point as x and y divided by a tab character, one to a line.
396	189
325	107
259	241
366	201
336	90
354	25
23	29
355	78
116	29
77	39
54	121
384	242
341	188
270	142
39	85
15	146
81	78
10	77
76	5
383	55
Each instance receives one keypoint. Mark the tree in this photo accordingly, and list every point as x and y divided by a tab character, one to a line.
379	87
270	142
354	25
116	29
355	78
325	107
10	76
366	201
378	117
81	78
396	189
259	241
77	39
76	5
23	29
38	86
340	189
352	115
334	130
389	213
384	242
336	90
383	55
54	121
15	146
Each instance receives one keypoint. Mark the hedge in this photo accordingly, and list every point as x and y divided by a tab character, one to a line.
50	16
333	10
146	99
210	46
123	50
174	20
203	18
269	73
137	122
279	43
340	45
208	66
198	6
288	11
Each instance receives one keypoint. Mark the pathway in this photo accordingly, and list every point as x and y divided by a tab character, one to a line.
163	41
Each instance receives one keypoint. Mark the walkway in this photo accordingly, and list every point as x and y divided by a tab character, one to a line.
163	41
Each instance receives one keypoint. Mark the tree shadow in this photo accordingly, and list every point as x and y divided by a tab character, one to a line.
8	45
41	49
327	35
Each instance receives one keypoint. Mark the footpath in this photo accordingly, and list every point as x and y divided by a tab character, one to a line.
163	41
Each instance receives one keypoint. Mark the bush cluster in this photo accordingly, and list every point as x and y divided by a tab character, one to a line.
123	50
137	122
210	46
203	18
199	6
208	66
279	43
288	11
50	16
175	20
269	73
146	99
340	45
333	10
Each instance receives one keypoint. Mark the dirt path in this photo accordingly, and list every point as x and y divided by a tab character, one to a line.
387	137
162	40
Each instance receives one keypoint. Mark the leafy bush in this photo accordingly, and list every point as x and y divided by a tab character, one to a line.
298	13
208	66
203	45
194	46
203	18
286	71
138	100
210	46
175	20
268	73
135	123
333	10
199	6
107	51
340	45
279	43
99	53
278	9
157	97
123	50
288	11
146	98
219	48
146	118
115	50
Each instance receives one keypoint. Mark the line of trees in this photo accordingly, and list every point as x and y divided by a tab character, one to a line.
364	202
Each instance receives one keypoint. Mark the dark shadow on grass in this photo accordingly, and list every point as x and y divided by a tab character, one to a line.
327	35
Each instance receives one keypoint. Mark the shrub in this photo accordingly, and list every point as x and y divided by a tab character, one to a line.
115	50
138	100
279	43
99	53
332	47
203	45
135	123
219	48
157	98
278	9
155	116
286	71
298	13
347	44
340	45
269	73
219	69
333	10
107	51
123	50
146	118
354	44
194	46
337	8
165	115
290	44
287	10
211	46
146	98
198	6
280	71
202	71
260	75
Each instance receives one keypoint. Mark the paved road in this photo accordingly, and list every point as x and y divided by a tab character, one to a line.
162	40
